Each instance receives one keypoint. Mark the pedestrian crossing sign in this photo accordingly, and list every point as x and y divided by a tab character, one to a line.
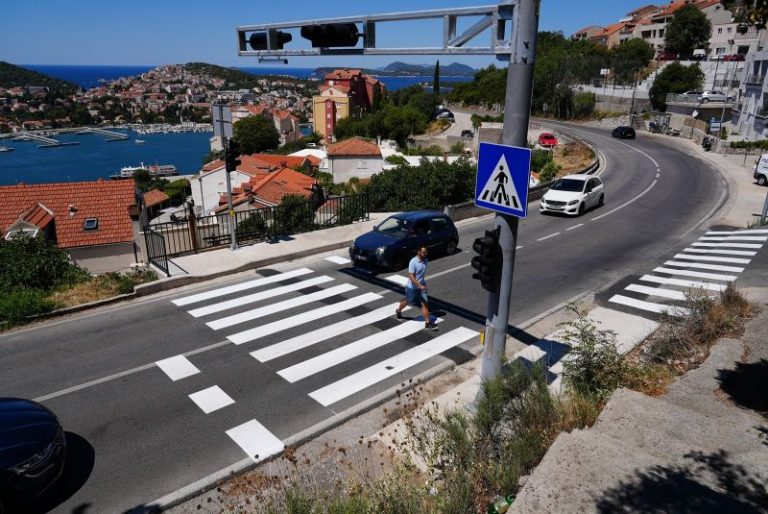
503	175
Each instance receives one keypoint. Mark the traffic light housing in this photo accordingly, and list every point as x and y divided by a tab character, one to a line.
488	261
277	38
231	155
331	34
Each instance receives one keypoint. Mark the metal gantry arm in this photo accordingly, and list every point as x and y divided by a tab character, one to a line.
498	18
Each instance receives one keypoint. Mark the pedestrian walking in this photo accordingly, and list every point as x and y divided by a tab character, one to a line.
416	288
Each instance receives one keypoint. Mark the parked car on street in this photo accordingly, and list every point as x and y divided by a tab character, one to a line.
547	140
467	133
623	132
394	241
33	451
713	96
574	195
760	171
444	114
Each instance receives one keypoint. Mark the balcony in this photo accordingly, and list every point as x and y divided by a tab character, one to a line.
755	79
761	112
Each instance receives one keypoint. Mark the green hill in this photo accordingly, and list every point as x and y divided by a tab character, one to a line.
235	78
16	76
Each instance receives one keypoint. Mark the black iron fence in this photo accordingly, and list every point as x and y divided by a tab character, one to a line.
156	250
191	235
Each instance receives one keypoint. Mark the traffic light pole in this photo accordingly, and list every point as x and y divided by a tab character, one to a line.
515	133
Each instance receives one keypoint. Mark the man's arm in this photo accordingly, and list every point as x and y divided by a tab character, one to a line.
415	282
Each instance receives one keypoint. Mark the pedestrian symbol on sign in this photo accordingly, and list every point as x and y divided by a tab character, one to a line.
500	188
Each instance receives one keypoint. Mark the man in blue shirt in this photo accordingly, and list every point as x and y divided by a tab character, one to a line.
416	288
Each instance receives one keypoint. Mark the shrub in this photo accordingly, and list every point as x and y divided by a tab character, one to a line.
18	305
398	160
540	158
294	215
253	227
550	171
36	263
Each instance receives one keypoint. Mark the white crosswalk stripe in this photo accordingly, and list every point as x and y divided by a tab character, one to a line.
657	308
695	274
706	258
372	375
257	442
688	284
257	297
329	359
657	291
260	312
323	334
698	265
337	259
736	232
744	253
301	319
397	279
750	246
735	238
223	291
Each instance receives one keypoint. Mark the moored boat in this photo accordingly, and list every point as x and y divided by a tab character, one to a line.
155	170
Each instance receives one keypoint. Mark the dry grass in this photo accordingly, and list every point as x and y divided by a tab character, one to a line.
100	287
573	157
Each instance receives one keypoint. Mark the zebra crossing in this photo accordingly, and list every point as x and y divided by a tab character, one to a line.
709	264
275	318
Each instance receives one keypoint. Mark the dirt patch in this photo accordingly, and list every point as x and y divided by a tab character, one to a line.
573	157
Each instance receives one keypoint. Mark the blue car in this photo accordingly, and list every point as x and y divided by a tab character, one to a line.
395	240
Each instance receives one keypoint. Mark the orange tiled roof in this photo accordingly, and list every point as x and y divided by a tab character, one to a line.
591	28
354	147
154	197
270	189
38	215
344	74
109	201
285	161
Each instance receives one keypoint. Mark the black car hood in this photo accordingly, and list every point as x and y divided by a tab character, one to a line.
373	240
25	428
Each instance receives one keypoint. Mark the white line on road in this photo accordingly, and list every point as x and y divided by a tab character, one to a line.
729	245
397	279
177	367
625	204
744	253
323	334
352	384
698	265
658	308
706	258
688	284
337	259
549	236
657	291
300	319
211	399
242	317
257	442
575	227
735	238
696	274
736	232
240	287
257	297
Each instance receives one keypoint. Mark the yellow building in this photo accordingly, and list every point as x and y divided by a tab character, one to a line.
331	105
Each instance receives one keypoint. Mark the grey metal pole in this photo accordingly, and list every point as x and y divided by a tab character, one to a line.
517	113
765	211
230	208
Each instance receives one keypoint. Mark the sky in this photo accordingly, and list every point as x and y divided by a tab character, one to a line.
144	32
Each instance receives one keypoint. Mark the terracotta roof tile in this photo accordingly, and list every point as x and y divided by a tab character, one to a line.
354	147
344	74
109	201
155	197
38	215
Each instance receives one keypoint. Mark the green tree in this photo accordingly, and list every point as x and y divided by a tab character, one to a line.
689	29
748	12
675	78
436	80
35	263
253	227
294	214
629	58
584	105
256	134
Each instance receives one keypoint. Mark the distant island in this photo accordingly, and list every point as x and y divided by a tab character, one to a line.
402	69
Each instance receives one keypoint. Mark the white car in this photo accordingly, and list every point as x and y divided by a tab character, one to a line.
574	194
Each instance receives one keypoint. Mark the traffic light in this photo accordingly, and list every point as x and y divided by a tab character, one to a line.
231	155
331	34
488	261
277	38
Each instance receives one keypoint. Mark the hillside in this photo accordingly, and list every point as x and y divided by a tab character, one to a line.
236	79
401	69
16	76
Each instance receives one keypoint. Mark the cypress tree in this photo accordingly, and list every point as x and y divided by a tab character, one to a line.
436	80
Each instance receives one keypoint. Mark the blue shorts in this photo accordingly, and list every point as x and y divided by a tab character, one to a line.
416	297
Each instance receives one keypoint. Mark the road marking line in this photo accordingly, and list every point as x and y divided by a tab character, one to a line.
177	367
722	252
575	227
240	287
549	236
688	284
735	238
337	259
322	334
257	297
736	232
698	265
629	202
657	291
704	258
242	317
397	279
729	245
658	308
521	246
300	319
352	384
257	442
332	358
211	399
696	274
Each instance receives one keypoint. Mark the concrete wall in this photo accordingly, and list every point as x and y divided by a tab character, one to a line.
344	168
208	188
101	259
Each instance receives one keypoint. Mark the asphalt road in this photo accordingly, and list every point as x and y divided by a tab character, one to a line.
136	435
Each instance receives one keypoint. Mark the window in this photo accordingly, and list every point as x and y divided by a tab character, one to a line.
421	227
91	224
439	224
720	30
730	29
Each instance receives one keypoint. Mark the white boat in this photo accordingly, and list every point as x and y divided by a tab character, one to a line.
140	141
5	148
155	170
